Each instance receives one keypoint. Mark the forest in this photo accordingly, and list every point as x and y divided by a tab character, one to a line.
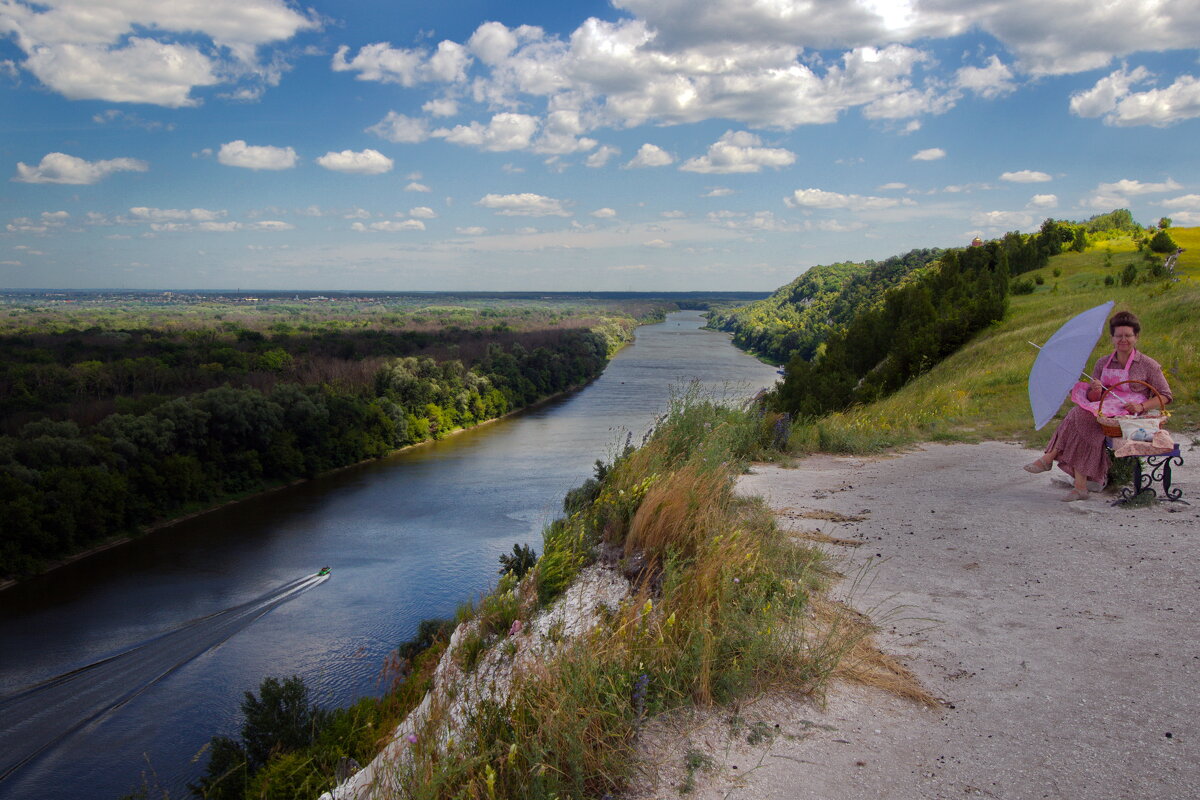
802	314
117	416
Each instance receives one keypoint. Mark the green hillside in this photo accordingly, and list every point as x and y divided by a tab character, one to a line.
798	317
980	391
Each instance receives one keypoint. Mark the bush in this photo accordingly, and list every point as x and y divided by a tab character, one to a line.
279	720
1129	274
1162	242
520	561
1022	286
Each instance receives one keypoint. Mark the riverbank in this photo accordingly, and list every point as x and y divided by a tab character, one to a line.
1059	637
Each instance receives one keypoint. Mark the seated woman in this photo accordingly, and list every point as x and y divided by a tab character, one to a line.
1078	443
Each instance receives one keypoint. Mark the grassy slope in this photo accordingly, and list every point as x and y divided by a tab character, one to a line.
980	392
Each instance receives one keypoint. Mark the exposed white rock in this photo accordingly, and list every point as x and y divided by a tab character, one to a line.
456	693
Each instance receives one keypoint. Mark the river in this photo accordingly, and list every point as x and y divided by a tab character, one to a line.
121	667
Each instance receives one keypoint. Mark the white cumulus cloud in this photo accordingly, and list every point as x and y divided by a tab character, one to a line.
604	213
1043	201
408	67
1025	176
1132	187
505	131
1114	99
929	154
1046	37
239	154
130	51
367	162
414	186
525	204
991	81
1188	201
62	168
422	212
739	151
650	155
441	107
818	198
561	134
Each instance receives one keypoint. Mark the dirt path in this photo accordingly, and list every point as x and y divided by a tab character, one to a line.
1063	638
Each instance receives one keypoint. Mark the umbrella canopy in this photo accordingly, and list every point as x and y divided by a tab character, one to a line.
1061	361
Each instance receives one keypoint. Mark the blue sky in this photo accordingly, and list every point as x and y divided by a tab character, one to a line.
632	145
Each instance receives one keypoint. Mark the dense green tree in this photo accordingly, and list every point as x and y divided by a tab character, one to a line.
1162	242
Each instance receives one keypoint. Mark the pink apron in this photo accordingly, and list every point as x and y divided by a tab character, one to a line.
1114	399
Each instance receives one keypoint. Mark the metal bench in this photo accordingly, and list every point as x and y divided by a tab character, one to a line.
1156	470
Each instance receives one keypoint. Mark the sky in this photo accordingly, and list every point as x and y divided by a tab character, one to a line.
644	145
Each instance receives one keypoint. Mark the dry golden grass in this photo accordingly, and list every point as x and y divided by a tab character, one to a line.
808	513
861	660
679	512
824	538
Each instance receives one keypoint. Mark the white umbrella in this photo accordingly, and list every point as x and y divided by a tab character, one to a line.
1062	360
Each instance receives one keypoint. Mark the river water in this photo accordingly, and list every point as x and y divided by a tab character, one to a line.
121	667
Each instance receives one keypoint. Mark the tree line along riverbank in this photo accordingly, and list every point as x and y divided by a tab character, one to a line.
295	403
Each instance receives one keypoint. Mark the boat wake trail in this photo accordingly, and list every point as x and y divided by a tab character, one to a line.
38	717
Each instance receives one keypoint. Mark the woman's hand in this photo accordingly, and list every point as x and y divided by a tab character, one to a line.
1094	390
1135	408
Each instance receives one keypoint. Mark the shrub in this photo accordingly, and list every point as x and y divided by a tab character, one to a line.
520	561
279	720
1162	242
1022	286
1129	274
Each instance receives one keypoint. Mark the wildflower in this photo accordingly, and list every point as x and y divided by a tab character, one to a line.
737	580
516	627
411	738
639	693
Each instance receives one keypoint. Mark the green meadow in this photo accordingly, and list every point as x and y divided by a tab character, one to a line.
981	393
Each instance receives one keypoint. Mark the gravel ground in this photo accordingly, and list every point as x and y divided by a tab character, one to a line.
1063	639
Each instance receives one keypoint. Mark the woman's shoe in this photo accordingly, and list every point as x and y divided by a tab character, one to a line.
1036	467
1075	494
